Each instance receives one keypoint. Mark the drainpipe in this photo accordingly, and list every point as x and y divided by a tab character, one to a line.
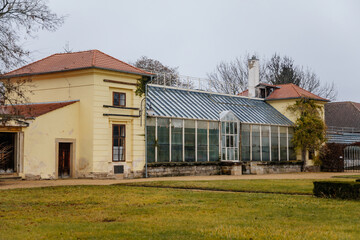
146	162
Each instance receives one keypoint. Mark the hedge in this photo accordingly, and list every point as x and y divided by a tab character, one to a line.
343	190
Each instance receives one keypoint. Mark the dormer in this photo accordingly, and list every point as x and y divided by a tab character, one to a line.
263	90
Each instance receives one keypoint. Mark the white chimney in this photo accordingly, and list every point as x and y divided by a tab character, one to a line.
254	79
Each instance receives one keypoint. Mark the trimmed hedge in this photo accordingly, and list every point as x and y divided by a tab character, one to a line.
343	190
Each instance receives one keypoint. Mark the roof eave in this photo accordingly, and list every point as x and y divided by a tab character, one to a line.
316	99
74	69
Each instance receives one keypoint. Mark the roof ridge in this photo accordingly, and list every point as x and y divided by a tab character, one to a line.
126	63
353	104
292	85
310	92
75	52
93	58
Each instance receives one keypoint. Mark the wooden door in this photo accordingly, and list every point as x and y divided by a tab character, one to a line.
64	160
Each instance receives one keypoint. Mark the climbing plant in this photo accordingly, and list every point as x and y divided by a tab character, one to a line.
310	129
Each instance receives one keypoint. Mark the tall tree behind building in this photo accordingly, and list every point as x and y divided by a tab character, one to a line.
232	77
163	72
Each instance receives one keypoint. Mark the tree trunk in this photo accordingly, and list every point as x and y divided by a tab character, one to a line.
303	158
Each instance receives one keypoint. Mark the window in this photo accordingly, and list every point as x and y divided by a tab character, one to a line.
189	141
229	149
163	153
151	140
265	143
176	140
202	141
283	144
213	141
245	142
274	143
118	143
119	99
256	143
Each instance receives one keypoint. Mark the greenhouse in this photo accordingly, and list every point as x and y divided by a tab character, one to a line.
198	126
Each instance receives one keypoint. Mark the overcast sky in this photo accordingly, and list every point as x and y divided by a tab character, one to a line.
195	35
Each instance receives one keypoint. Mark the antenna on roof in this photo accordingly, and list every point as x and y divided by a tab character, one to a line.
66	48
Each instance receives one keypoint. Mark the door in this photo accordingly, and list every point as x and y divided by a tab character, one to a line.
64	160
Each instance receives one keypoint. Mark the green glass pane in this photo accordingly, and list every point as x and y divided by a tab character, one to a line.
213	142
265	143
274	143
189	141
176	140
256	143
151	143
283	144
202	141
163	140
245	142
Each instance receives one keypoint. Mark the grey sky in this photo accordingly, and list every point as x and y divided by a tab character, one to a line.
197	34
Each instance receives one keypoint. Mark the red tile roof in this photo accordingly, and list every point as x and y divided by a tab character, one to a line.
244	93
288	91
74	61
34	109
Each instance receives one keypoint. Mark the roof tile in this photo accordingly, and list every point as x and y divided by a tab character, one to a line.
76	60
288	91
33	109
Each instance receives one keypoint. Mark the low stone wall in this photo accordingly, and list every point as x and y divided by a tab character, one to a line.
183	169
274	167
231	168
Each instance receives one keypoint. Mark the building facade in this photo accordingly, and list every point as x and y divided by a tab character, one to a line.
85	120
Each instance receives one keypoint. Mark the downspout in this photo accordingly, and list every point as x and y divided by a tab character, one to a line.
146	160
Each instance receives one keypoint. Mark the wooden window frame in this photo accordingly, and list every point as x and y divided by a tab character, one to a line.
112	144
120	93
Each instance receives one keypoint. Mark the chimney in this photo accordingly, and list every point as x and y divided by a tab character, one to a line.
253	71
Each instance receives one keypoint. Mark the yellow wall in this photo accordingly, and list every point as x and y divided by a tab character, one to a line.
282	105
95	130
135	134
40	141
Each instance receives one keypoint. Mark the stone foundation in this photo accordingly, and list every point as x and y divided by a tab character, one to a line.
96	175
183	169
272	167
312	169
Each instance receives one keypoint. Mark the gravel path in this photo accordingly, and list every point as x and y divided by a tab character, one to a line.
73	182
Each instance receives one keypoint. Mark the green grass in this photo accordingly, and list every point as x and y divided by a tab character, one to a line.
123	212
348	176
295	186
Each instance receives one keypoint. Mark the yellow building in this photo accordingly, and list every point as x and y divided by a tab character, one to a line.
104	90
84	120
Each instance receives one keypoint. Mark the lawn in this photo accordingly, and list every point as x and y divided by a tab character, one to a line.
291	186
130	212
348	176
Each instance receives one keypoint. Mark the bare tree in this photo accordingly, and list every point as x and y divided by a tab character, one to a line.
19	19
282	70
232	77
163	73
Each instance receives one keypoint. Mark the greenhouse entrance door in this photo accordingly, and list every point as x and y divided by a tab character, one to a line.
229	137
